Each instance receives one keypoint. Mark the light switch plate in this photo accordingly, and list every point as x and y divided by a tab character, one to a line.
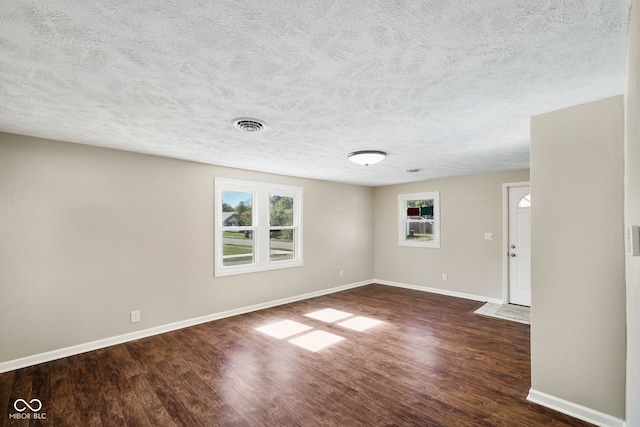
633	240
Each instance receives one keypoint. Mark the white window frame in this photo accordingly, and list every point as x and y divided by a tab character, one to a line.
260	227
403	221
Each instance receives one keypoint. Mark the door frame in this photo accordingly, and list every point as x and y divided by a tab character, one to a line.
505	235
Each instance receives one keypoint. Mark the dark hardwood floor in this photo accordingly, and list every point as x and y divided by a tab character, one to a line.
430	363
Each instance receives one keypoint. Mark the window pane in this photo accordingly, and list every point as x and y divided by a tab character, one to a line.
525	202
281	245
419	231
417	209
237	209
280	211
237	247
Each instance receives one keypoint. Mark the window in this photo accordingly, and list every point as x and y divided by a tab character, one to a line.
525	202
419	219
258	227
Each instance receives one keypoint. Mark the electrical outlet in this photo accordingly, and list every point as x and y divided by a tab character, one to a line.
445	277
135	316
341	273
488	236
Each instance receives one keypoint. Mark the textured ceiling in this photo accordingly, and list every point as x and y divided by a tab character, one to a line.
443	85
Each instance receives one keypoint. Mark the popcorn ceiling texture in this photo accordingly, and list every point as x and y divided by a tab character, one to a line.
443	85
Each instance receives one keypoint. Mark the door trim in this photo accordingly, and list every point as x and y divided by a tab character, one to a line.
505	235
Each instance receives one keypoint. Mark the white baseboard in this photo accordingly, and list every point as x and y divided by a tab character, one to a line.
439	291
107	342
573	409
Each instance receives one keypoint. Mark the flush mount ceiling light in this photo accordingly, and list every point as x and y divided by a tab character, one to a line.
367	157
247	124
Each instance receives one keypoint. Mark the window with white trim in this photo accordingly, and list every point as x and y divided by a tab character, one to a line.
419	219
258	226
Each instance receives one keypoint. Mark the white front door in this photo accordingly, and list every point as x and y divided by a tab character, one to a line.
519	245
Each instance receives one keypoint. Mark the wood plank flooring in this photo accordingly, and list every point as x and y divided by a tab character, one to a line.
430	363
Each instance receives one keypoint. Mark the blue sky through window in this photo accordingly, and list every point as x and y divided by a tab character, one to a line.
233	198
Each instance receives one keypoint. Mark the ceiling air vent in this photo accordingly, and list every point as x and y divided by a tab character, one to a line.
249	125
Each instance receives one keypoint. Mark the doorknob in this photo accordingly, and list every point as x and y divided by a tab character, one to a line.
513	255
513	246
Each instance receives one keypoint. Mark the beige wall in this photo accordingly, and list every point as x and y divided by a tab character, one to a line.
469	206
90	234
578	295
632	213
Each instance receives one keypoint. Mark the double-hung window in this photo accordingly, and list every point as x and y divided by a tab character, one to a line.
258	226
419	219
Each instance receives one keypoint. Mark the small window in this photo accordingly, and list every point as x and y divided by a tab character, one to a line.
258	227
525	202
419	219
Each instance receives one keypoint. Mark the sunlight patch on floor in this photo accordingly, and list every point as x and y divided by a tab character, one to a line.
360	323
316	340
283	329
329	315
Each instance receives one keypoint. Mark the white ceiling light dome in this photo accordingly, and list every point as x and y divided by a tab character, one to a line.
367	157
